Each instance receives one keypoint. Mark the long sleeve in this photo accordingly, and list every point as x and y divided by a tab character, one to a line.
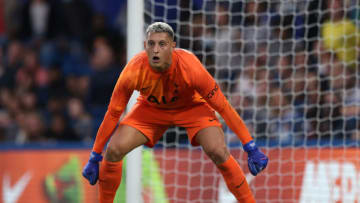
206	86
121	94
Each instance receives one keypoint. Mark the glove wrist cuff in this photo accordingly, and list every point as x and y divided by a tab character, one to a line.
250	146
95	157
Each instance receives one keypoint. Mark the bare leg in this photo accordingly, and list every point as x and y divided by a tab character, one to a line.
212	141
124	139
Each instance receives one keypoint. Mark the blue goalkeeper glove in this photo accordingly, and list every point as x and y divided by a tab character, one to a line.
257	161
91	169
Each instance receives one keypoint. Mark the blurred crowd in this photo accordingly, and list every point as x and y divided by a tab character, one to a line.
290	68
59	62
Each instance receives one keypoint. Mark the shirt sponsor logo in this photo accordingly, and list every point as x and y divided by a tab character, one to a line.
163	100
151	98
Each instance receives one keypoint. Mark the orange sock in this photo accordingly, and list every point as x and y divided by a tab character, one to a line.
236	181
109	180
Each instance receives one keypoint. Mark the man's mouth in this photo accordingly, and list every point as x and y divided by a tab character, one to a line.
156	59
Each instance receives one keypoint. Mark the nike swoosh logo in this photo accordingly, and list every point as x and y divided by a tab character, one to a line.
12	194
240	183
211	120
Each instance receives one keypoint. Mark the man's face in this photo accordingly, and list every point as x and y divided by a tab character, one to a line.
159	47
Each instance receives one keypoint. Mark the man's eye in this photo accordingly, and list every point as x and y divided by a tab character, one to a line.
151	43
162	44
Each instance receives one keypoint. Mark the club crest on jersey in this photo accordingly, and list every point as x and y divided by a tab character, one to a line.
145	89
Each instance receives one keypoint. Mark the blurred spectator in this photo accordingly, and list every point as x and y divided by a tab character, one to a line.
340	35
105	72
227	46
311	104
344	85
293	70
9	101
100	28
313	18
284	122
251	80
56	104
354	11
76	27
192	36
33	128
12	61
78	86
12	17
59	129
8	128
32	77
329	118
256	29
250	97
336	81
79	119
282	41
250	85
296	11
56	81
40	20
27	101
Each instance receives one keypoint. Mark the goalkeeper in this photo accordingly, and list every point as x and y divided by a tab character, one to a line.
175	90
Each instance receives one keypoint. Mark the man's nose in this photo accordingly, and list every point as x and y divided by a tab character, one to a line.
156	48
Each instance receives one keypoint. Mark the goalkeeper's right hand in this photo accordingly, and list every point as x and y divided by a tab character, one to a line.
91	169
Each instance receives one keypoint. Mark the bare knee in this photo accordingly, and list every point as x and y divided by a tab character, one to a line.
115	153
218	154
212	141
124	139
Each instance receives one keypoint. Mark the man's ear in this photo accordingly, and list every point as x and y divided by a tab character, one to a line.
144	44
173	44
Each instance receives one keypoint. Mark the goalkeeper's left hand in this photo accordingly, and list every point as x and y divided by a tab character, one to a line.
257	161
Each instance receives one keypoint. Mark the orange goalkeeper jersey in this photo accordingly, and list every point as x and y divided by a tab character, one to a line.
184	84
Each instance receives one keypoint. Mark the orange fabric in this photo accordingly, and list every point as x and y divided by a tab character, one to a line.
153	122
236	181
186	83
109	180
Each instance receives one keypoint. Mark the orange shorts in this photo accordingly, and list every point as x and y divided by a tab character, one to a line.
153	122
